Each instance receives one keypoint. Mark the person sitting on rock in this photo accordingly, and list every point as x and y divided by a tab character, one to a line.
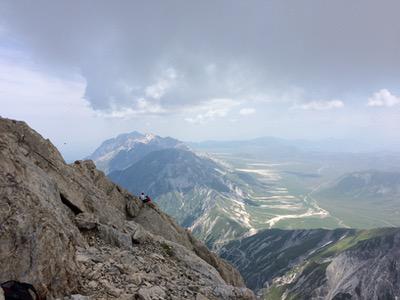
142	197
147	199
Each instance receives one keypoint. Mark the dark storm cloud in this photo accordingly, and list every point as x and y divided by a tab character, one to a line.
160	56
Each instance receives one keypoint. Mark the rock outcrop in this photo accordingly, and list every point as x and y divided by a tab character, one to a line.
320	264
271	253
72	233
368	269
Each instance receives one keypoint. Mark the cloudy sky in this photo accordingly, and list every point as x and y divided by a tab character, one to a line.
82	71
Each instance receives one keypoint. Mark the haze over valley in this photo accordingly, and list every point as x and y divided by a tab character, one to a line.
227	190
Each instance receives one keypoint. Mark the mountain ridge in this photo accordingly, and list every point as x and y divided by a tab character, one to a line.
319	264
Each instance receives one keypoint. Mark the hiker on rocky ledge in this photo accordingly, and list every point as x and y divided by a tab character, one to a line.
144	198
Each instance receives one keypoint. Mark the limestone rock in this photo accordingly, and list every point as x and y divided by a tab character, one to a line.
201	297
133	206
86	221
158	223
114	237
79	297
152	293
139	234
68	230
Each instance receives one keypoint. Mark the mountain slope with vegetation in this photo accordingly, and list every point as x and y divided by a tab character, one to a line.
320	264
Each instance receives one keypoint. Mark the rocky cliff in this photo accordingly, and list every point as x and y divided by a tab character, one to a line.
68	230
271	253
320	264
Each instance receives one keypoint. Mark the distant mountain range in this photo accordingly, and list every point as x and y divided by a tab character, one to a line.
201	193
365	186
319	264
227	208
292	146
219	203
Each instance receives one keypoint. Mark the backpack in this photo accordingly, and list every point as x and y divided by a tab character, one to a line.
14	290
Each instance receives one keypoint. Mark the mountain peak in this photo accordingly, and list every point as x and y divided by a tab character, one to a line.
122	151
150	136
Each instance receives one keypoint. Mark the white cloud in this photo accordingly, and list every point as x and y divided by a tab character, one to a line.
320	105
211	110
143	107
162	85
214	63
145	101
208	116
383	98
247	111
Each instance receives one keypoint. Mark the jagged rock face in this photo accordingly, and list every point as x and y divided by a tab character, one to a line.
320	264
368	270
271	253
68	230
